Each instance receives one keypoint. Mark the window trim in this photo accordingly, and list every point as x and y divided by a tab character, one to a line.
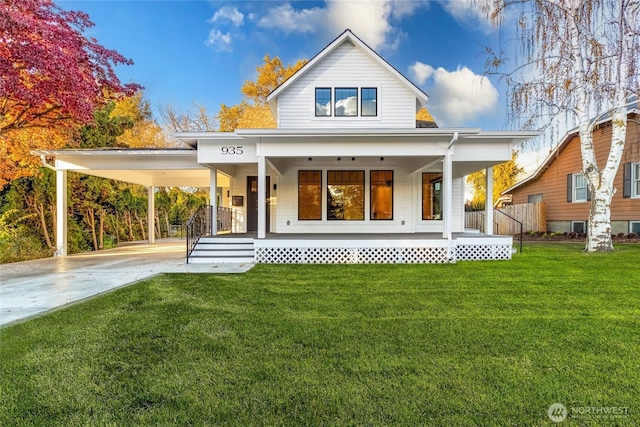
584	226
574	187
635	180
631	224
530	196
364	190
422	218
371	218
335	101
321	193
315	110
362	100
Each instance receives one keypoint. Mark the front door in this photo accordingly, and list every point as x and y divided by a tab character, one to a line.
252	203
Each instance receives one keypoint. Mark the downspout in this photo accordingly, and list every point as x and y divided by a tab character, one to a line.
448	205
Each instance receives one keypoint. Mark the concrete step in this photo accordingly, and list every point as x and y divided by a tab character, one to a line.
226	246
225	240
222	260
222	252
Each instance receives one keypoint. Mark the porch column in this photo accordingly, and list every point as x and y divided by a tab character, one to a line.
213	199
151	214
488	204
447	189
262	197
61	213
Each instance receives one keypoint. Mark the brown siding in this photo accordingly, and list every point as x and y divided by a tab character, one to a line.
553	182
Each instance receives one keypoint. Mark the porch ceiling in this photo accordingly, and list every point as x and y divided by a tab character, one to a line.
415	163
149	167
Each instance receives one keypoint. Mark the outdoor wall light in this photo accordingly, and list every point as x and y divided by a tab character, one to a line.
228	193
402	222
275	187
288	222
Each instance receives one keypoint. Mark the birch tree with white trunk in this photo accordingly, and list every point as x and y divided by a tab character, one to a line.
577	62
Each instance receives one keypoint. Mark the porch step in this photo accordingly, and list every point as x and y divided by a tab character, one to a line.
223	250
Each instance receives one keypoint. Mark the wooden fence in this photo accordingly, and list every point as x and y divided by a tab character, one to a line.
532	215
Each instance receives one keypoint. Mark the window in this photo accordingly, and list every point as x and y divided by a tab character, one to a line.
346	102
369	96
634	227
635	180
579	226
534	198
431	196
323	102
381	195
345	195
577	188
309	195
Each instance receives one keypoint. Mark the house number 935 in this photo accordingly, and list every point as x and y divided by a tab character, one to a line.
231	151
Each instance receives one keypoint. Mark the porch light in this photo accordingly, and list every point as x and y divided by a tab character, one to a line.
353	159
310	158
339	158
382	159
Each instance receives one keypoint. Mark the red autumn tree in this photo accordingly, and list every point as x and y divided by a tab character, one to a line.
52	78
49	71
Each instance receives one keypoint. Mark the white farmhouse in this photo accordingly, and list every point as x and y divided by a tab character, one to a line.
347	175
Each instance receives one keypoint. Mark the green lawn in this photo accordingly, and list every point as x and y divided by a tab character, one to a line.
472	343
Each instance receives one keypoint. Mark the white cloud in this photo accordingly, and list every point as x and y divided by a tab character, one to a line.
472	13
420	72
457	97
219	41
228	14
371	20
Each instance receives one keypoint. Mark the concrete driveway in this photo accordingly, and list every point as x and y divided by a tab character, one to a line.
33	287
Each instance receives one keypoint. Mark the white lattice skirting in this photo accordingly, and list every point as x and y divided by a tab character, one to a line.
380	255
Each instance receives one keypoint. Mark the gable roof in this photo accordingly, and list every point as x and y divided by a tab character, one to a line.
555	153
347	36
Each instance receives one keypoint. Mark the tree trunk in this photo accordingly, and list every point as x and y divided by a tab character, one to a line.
54	221
91	221
38	208
166	221
144	235
117	228
127	219
101	228
156	221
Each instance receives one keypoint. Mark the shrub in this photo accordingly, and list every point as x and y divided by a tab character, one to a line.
621	235
632	236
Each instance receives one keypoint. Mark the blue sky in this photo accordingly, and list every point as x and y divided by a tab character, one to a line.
202	51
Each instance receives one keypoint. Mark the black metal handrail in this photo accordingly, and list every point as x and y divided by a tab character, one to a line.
513	219
197	226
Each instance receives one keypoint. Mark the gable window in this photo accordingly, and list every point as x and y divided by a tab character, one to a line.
369	97
534	198
323	102
309	195
346	102
345	195
431	196
381	195
577	190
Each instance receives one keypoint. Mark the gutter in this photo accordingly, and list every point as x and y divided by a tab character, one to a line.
43	159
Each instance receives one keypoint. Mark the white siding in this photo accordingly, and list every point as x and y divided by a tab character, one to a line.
457	216
347	66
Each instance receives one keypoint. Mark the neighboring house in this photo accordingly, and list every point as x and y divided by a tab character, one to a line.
348	174
560	184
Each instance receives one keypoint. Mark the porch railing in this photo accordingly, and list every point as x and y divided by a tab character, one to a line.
201	224
197	226
475	220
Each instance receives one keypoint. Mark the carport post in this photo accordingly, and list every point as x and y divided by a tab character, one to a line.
488	204
213	200
151	214
61	213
